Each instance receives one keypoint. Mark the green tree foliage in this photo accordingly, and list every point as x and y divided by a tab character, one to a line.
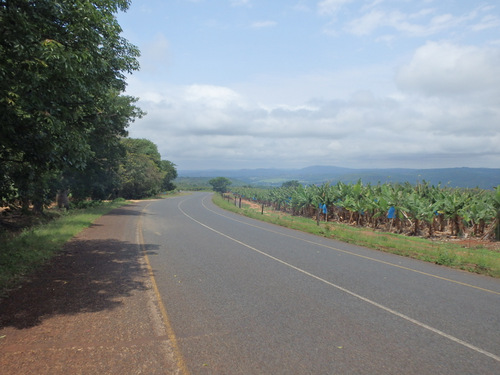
143	173
220	184
496	206
291	184
62	66
100	179
170	175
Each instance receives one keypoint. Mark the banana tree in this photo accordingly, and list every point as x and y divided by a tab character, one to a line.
419	209
496	205
302	200
450	205
478	212
396	198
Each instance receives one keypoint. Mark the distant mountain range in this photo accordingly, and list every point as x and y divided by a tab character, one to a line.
485	178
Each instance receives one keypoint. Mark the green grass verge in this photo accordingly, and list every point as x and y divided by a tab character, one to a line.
478	260
22	253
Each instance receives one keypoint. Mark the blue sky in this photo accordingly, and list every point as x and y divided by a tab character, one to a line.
232	84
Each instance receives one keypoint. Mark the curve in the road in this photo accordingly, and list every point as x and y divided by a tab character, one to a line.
348	252
367	300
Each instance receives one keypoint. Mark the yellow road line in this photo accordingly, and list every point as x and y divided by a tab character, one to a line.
181	364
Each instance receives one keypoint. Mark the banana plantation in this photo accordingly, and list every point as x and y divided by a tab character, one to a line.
421	210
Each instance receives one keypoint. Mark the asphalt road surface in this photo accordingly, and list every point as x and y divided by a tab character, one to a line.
246	297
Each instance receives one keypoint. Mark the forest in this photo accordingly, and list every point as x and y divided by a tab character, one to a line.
63	111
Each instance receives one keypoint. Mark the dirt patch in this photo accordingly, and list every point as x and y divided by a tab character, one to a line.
476	243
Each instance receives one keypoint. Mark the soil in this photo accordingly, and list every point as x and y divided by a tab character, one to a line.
90	310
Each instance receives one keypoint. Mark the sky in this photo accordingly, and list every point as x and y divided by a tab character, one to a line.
234	84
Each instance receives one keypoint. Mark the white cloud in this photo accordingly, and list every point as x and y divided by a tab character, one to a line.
155	54
419	23
210	96
196	125
403	22
366	24
263	24
238	3
487	22
337	101
301	6
328	7
442	68
371	5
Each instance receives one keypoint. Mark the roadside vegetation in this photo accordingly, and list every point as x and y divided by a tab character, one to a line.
25	249
29	240
63	134
449	231
64	111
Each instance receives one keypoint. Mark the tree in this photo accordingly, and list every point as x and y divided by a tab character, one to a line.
100	179
143	146
140	177
59	61
496	203
140	173
291	184
170	175
220	184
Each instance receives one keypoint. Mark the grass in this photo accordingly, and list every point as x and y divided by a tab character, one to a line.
22	253
478	260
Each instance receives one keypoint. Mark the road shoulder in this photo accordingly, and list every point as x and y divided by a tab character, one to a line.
91	310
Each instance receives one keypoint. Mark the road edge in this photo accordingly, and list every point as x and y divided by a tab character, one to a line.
179	358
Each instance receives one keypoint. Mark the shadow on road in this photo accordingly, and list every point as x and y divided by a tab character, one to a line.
89	276
131	209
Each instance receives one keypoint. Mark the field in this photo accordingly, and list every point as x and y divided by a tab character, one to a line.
469	254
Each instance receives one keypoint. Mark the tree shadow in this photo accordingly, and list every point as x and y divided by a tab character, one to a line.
127	211
88	276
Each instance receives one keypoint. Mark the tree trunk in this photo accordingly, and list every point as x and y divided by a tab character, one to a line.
37	206
62	199
415	229
497	228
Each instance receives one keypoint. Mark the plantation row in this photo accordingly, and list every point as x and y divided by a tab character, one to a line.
403	208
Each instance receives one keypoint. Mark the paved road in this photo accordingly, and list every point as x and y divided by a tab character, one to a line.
245	297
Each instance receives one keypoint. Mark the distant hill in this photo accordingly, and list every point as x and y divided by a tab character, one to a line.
485	178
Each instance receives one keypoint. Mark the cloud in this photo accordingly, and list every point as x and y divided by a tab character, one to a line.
301	6
403	22
199	126
329	7
366	24
263	24
155	54
418	104
443	68
238	3
210	96
487	22
422	22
